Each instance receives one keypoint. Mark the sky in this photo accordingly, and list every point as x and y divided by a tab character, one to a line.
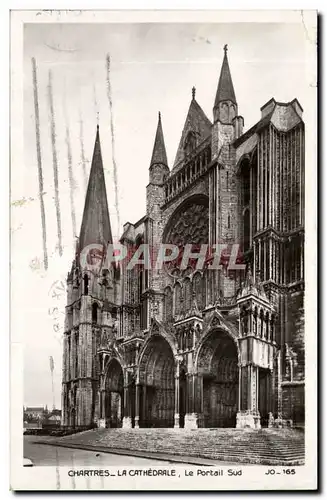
153	67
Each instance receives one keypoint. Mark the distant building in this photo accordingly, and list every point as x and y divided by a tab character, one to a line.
53	420
34	413
56	413
34	417
40	418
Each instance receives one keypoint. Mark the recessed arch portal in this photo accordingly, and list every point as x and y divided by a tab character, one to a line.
157	384
114	387
217	364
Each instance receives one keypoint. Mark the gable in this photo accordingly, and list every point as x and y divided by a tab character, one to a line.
197	128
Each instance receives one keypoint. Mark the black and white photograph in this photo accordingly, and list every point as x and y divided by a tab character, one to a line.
163	250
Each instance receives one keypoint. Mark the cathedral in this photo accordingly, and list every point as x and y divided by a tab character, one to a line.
192	346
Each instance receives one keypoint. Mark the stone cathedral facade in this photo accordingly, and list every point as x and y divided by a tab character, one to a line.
191	348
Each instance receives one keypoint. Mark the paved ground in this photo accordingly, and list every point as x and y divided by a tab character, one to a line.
42	454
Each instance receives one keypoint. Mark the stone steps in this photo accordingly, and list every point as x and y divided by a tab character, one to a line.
266	446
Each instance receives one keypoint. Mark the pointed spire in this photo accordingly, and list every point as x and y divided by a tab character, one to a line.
95	226
250	287
195	311
249	281
225	90
159	150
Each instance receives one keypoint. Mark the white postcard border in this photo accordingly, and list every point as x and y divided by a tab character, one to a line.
253	477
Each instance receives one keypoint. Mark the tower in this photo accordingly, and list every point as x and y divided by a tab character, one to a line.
227	124
224	180
225	106
90	309
155	192
158	170
257	343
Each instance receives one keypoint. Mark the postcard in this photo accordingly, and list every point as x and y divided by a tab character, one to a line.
163	250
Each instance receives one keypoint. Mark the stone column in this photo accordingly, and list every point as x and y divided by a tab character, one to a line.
144	403
301	260
279	387
75	353
273	328
126	407
248	415
198	399
265	271
65	405
265	172
176	412
190	416
177	394
258	207
127	418
137	405
270	392
270	252
259	260
102	419
70	354
239	388
86	402
78	419
275	258
102	393
102	398
254	260
251	205
64	360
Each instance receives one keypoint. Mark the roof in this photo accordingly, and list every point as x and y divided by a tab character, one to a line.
255	128
249	287
56	412
197	122
225	90
159	150
282	115
95	226
56	418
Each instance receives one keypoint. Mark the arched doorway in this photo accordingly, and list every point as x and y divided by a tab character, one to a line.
265	396
157	381
218	367
114	387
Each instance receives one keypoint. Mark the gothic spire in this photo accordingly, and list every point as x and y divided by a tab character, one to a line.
225	90
159	155
95	226
197	123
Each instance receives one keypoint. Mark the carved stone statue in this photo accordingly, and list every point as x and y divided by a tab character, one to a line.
104	338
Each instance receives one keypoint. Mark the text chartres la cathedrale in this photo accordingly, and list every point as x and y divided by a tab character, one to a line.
152	472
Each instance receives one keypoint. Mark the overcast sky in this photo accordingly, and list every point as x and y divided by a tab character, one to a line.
153	68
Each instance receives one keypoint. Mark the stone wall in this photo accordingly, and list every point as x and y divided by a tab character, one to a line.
295	333
293	402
